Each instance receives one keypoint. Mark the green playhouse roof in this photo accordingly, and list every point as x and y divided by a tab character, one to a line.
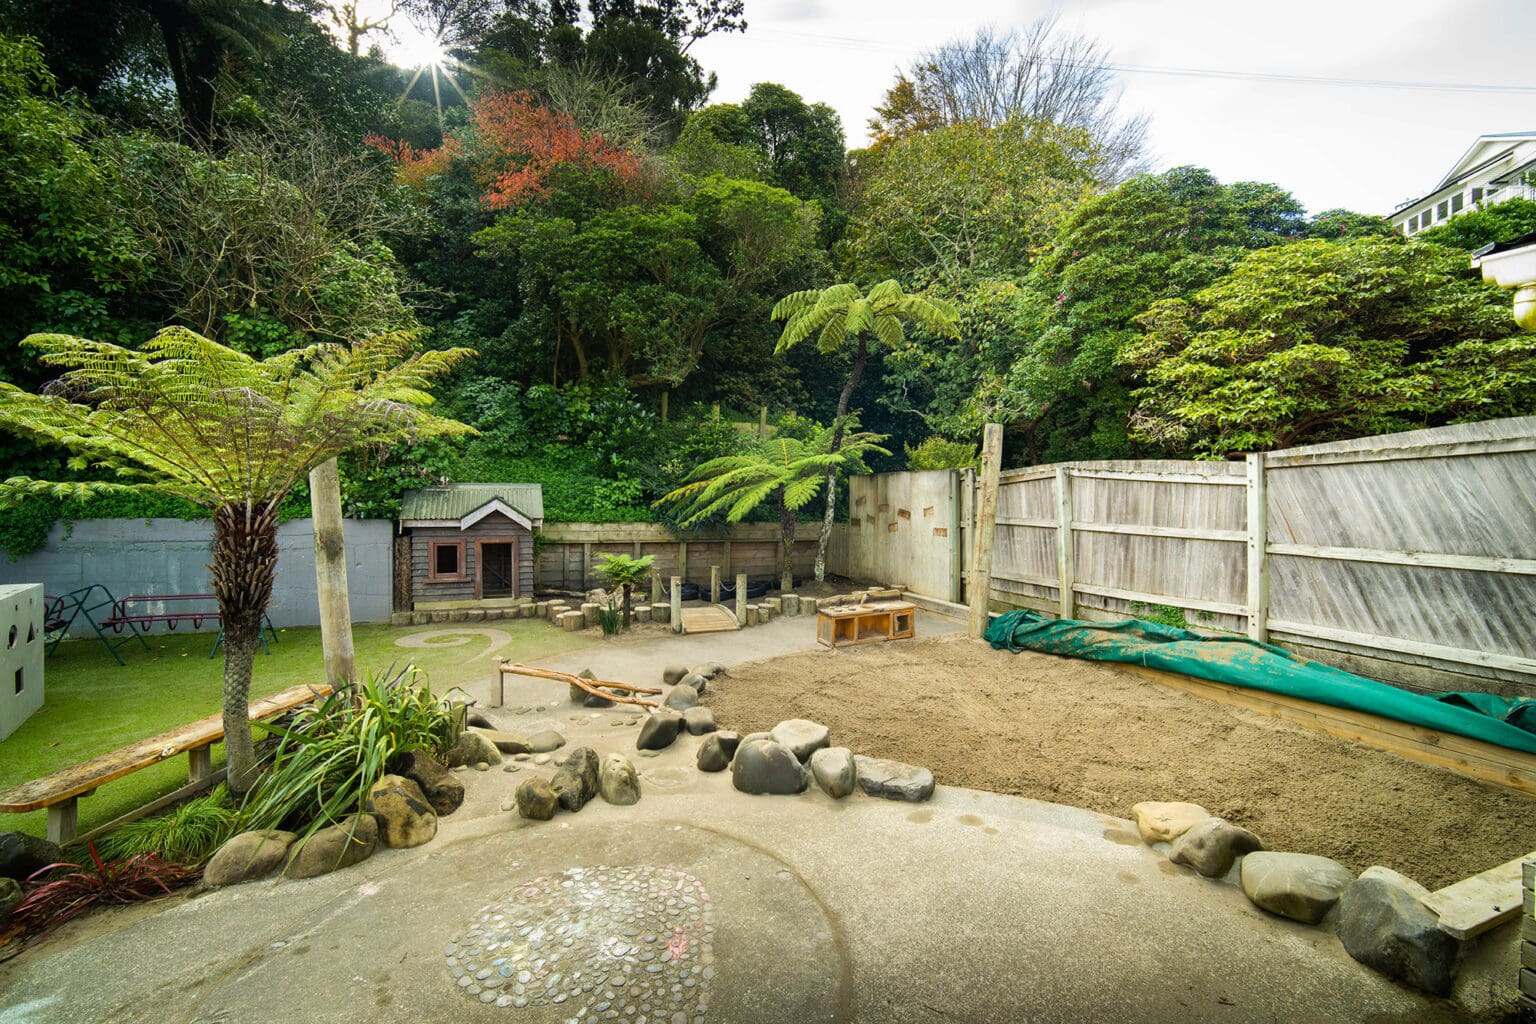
458	500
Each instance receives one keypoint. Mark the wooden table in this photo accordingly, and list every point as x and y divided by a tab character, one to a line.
844	625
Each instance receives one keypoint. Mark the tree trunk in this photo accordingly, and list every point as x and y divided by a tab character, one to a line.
627	588
786	544
859	359
244	565
331	573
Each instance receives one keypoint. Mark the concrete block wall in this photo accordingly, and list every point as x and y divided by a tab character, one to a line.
170	556
21	655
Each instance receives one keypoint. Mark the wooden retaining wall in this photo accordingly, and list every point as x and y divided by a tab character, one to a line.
568	552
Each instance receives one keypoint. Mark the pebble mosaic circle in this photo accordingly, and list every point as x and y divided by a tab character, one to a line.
631	944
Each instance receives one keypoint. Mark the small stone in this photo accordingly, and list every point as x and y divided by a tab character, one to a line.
509	768
699	721
546	741
522	757
1385	924
697	682
537	800
618	783
716	751
508	804
542	759
892	779
834	771
1211	846
482	766
681	698
248	856
1165	822
1294	885
659	730
768	767
802	736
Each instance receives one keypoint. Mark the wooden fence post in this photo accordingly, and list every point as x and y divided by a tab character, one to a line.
986	528
741	599
677	604
655	587
1258	550
714	584
682	558
1065	561
331	573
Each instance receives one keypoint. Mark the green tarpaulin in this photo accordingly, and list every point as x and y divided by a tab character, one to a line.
1239	661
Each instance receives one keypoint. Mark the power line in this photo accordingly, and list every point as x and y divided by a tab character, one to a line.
870	45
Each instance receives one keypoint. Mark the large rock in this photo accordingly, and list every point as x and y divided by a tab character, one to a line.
801	736
709	670
681	698
619	784
658	730
536	800
1385	924
506	742
673	674
546	741
248	856
1165	822
352	840
768	767
835	771
472	748
22	855
892	779
716	751
444	792
576	781
697	682
1210	846
699	721
405	817
1294	885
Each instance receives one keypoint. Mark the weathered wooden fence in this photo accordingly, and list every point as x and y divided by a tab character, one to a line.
1409	557
567	551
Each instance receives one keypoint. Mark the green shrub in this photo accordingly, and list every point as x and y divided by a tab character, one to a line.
190	834
938	453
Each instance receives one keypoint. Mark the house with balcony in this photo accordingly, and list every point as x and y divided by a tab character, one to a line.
1496	168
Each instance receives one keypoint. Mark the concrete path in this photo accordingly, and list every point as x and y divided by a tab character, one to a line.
971	907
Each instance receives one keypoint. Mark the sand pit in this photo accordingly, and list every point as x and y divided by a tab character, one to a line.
1087	734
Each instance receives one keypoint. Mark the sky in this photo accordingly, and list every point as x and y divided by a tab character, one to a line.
1362	148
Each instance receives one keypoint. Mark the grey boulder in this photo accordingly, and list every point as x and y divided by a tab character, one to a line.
576	781
801	736
682	698
1385	924
506	742
673	674
405	817
699	721
618	782
893	780
1211	846
472	748
352	840
716	751
248	856
835	771
1294	885
698	682
444	792
544	742
536	800
709	670
768	767
659	730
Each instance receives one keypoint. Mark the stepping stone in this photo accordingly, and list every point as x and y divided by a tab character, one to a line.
834	771
802	736
768	767
1165	822
1211	846
1294	885
1385	923
892	779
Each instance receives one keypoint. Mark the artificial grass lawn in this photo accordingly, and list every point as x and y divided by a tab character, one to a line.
94	706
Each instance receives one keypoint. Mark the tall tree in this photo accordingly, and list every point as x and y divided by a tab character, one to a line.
187	417
843	314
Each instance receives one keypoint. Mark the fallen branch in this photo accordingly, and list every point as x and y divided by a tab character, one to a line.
590	685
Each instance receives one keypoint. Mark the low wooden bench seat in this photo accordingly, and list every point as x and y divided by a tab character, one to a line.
60	791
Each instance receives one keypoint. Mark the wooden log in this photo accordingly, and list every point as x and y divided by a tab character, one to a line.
590	685
677	601
714	584
790	603
331	573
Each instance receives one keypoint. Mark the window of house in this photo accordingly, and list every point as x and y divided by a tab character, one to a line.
1413	224
1456	202
445	560
1477	195
1440	210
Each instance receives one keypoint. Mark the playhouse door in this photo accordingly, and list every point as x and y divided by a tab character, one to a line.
498	569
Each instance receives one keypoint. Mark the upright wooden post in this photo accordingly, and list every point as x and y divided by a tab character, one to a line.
714	584
331	573
682	558
741	599
1258	550
586	564
762	424
1065	561
986	528
655	588
677	604
725	558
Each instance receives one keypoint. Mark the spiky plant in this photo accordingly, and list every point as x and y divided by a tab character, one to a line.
789	469
841	314
188	417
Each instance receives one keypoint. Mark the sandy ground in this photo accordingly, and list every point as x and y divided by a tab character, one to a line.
1089	735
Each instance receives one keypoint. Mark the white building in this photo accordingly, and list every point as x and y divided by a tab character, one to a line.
1496	168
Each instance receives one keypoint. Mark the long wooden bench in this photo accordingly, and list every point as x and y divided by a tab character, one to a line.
61	791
